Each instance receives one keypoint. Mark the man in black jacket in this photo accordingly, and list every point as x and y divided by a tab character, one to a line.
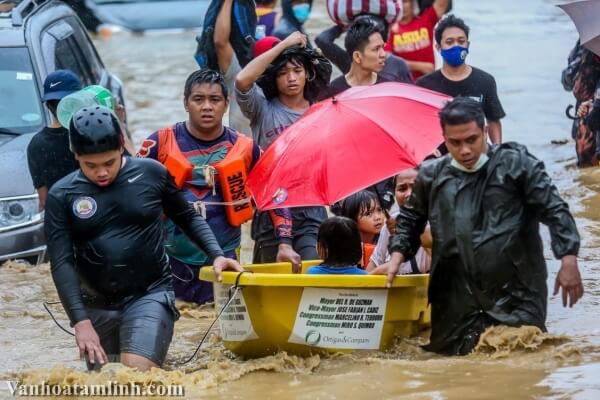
484	205
105	240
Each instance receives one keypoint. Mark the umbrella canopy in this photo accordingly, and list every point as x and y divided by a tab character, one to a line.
585	16
345	144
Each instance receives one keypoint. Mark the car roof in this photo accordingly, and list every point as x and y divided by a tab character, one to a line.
13	15
10	36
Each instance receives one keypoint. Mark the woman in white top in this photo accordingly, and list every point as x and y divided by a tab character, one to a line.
421	263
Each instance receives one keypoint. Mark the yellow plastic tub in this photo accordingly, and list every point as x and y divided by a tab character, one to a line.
276	310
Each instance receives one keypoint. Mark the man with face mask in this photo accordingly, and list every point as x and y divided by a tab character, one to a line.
456	78
484	205
294	14
412	36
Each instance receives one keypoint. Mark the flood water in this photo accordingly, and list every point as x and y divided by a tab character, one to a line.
524	44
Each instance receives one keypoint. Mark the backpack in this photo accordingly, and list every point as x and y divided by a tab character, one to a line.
243	28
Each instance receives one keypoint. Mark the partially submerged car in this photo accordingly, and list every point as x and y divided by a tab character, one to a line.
36	38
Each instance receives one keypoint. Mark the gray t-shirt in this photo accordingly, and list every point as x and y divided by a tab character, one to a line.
237	121
268	118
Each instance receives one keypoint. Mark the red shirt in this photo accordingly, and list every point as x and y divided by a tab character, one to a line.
414	41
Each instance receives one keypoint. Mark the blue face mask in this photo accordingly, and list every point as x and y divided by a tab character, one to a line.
301	12
455	56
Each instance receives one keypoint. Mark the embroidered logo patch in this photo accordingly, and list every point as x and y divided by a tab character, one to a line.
280	196
85	207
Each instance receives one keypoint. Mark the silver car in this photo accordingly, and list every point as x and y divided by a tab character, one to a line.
36	38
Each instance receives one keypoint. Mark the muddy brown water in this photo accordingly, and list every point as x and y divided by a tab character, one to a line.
524	44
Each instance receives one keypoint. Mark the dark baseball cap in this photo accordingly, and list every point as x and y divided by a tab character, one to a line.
59	84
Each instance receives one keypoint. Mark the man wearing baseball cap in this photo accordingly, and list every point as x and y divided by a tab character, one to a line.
48	153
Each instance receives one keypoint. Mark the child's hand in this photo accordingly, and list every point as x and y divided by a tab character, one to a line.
391	225
380	270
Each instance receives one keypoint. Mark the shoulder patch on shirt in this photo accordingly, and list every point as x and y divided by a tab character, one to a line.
144	150
84	207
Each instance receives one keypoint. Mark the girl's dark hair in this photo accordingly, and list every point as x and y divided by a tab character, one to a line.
462	110
201	76
340	239
359	203
318	72
450	21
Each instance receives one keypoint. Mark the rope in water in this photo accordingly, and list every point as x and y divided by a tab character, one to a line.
46	304
235	289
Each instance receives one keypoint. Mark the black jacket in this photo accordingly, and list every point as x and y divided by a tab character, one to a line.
487	259
106	244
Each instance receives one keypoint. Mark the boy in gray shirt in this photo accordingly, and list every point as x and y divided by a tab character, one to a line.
273	91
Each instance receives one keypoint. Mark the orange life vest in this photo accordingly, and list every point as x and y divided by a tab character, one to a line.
232	172
368	249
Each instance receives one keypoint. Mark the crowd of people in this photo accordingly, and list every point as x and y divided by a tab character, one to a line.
127	235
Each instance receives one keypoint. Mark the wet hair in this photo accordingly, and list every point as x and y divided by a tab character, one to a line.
358	204
358	35
450	21
381	24
462	110
340	239
202	76
52	106
395	178
318	72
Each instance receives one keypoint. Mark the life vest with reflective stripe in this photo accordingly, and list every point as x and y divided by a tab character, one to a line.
232	172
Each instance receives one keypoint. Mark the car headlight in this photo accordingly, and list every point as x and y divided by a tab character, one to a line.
19	211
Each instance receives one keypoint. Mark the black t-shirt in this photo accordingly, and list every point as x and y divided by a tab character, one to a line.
480	86
108	242
49	157
339	85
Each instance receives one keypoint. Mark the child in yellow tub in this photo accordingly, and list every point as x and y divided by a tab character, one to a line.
339	245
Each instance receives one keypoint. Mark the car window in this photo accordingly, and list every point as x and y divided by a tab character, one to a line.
61	51
23	113
68	56
84	46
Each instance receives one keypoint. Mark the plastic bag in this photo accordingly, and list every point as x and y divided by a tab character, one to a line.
342	12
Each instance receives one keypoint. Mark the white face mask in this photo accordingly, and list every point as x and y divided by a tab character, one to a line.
483	158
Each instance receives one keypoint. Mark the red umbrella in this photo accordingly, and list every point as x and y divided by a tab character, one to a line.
345	144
